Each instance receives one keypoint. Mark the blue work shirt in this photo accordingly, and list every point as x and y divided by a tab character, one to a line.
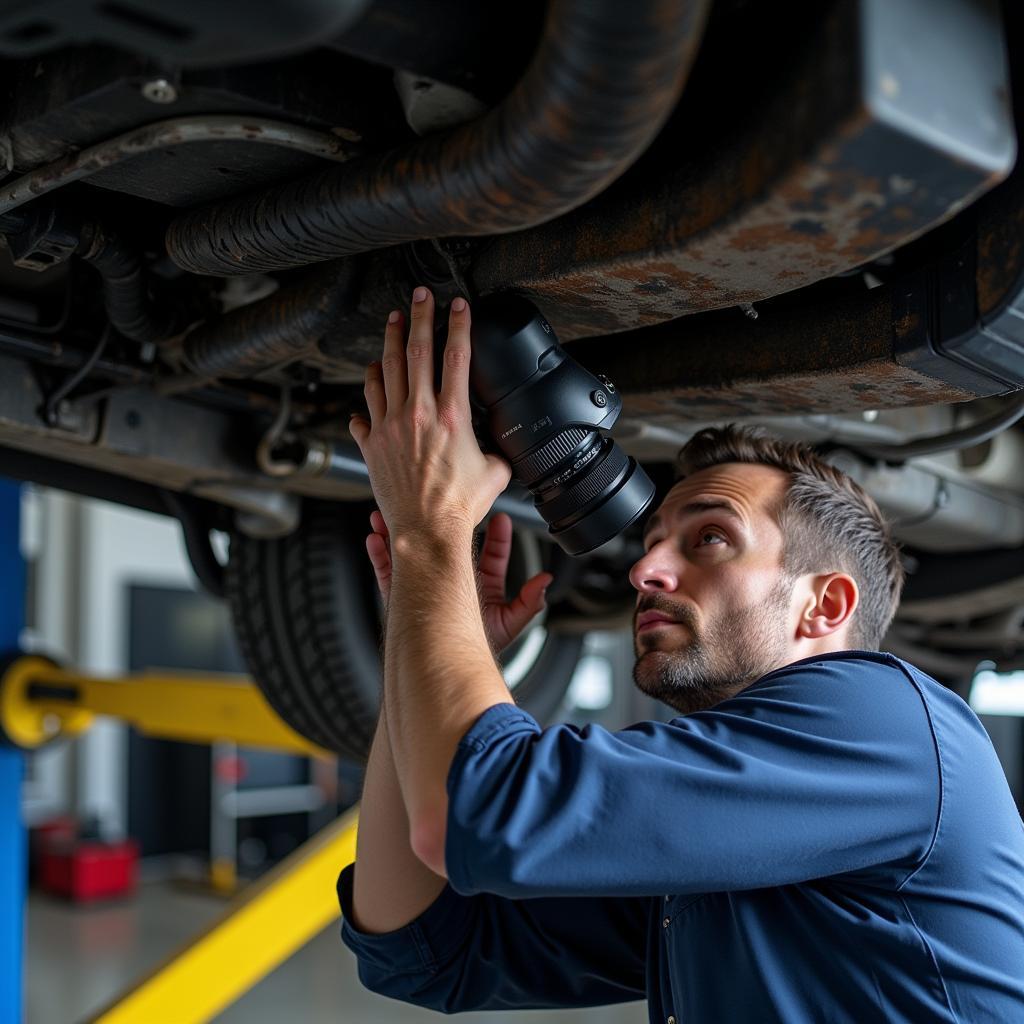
836	843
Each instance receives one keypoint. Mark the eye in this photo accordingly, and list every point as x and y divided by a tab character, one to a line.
710	537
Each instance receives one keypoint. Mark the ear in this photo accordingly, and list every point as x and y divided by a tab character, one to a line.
830	605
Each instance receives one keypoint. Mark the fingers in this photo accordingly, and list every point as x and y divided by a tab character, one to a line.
378	525
532	591
392	361
406	369
381	562
373	391
527	603
420	350
359	428
455	376
494	556
380	557
379	553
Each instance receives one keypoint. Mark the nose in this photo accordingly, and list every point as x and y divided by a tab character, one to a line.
654	572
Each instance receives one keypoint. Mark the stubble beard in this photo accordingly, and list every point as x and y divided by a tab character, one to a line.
715	663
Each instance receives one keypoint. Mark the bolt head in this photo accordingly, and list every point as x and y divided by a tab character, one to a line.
159	90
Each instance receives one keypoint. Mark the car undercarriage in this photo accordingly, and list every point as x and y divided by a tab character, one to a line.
806	216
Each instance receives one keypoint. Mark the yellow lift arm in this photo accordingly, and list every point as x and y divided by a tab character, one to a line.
272	918
39	702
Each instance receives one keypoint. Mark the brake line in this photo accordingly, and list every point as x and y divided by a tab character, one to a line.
964	437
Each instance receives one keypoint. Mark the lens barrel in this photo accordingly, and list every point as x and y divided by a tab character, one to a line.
546	414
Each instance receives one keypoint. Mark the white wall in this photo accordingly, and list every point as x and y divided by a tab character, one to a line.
87	554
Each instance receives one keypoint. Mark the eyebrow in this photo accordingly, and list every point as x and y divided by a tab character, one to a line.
717	505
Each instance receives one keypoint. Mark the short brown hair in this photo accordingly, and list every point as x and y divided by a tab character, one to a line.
828	522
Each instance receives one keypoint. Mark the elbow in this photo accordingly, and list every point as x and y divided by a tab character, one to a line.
420	989
427	839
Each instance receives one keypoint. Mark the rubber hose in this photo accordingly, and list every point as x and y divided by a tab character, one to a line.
125	293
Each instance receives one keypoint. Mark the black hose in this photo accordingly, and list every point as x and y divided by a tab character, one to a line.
129	306
125	292
605	77
196	535
954	440
275	330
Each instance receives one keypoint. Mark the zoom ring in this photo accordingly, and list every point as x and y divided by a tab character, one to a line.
532	467
592	484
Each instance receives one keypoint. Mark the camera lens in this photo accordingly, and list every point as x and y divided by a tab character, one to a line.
546	414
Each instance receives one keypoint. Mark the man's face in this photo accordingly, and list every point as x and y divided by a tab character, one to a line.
713	571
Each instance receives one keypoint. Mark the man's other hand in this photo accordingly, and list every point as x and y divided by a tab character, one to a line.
503	620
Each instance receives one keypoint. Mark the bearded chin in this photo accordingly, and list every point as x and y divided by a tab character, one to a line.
719	662
684	680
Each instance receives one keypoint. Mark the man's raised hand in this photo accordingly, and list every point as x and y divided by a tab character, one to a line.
431	481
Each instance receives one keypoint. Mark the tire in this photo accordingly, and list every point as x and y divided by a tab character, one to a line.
305	612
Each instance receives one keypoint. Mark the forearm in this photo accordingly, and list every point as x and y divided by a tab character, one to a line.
391	885
441	675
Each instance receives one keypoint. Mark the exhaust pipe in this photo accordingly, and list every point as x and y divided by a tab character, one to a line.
603	81
278	329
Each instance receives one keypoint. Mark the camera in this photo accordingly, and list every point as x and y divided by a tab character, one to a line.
546	414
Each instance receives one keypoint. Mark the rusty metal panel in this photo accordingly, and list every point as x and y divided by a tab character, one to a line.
936	334
862	146
832	357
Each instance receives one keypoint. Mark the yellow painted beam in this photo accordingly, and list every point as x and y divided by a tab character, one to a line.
40	701
271	920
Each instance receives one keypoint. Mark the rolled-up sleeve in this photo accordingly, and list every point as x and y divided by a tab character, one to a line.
816	770
490	953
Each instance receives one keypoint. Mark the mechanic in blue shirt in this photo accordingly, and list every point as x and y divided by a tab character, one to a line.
824	834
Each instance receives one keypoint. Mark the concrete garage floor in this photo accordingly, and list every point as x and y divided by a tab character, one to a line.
80	958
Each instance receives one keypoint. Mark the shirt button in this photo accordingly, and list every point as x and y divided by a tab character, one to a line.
671	1019
664	924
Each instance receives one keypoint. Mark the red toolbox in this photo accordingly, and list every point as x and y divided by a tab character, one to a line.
87	869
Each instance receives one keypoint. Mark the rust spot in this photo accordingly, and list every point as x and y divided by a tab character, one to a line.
783	204
1000	250
834	357
907	325
878	384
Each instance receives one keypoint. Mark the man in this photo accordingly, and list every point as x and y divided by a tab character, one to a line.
824	834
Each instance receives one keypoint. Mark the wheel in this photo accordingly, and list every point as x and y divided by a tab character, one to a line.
306	614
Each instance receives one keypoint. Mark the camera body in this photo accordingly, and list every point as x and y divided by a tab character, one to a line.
546	414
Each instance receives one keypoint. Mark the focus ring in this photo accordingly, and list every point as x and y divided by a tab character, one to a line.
532	467
593	483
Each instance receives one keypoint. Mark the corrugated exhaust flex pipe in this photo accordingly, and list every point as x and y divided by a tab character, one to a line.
605	78
278	329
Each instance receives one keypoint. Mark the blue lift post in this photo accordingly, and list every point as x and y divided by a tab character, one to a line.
13	874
